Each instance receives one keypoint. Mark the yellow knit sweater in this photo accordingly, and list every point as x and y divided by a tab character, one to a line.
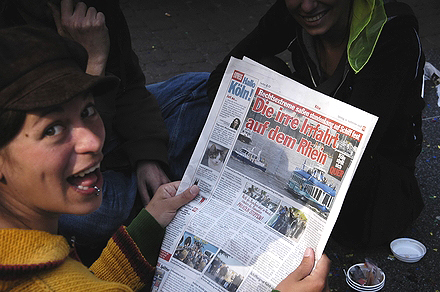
32	260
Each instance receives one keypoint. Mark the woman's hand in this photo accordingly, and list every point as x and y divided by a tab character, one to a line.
164	204
305	278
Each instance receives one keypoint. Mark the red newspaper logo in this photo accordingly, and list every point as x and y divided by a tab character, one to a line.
238	76
165	255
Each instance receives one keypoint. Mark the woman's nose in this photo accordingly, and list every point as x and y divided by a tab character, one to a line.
87	140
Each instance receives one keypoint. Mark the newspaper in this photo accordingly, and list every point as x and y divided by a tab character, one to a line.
273	164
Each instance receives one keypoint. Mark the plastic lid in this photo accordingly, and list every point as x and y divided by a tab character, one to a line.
407	249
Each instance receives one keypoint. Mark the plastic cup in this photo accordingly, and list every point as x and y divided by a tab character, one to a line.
358	287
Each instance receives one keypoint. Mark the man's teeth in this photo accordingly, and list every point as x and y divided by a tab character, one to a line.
314	18
87	171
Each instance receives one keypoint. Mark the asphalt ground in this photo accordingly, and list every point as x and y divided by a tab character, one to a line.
177	36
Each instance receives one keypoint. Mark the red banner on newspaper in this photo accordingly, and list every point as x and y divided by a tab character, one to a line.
165	255
268	111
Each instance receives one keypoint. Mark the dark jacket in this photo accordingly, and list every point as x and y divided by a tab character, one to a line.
133	115
384	188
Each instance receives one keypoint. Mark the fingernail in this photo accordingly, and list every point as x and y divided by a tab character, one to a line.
308	252
194	190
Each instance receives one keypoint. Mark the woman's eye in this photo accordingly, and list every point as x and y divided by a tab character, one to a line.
54	130
90	110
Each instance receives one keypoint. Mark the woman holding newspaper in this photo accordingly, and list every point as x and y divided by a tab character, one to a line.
50	150
365	53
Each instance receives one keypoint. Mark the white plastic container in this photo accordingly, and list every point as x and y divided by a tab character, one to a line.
358	287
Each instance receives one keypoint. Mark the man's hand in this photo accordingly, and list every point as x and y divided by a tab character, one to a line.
150	176
305	278
165	203
86	26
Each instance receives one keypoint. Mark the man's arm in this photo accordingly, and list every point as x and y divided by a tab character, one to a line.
274	32
137	121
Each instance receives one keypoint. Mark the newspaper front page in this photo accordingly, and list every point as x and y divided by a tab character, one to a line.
273	164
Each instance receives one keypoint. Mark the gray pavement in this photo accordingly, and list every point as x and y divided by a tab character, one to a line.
177	36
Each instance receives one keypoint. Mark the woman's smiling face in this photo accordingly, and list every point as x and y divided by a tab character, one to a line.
52	166
318	17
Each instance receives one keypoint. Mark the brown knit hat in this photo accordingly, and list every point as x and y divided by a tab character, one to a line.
39	68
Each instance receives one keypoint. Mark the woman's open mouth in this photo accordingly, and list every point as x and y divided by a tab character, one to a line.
87	180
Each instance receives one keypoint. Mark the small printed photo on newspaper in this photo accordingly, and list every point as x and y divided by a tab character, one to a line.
273	164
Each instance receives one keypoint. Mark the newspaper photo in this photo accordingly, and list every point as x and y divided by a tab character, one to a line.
273	164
